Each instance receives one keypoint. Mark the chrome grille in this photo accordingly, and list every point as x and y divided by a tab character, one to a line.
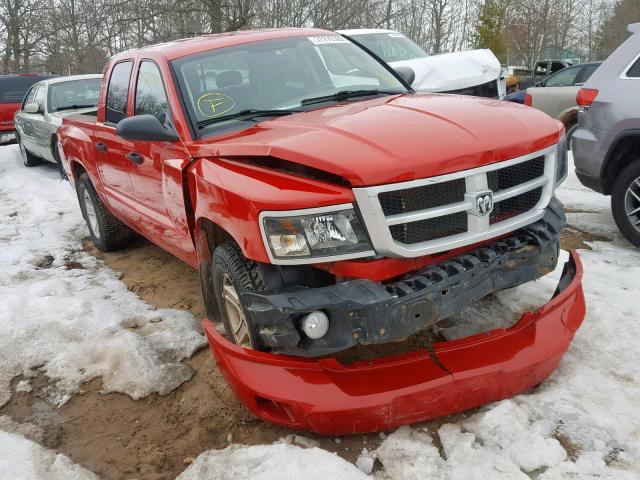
431	215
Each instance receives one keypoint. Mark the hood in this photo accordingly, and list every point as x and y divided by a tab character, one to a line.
453	71
7	112
393	139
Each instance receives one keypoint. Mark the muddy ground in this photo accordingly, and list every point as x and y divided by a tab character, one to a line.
157	437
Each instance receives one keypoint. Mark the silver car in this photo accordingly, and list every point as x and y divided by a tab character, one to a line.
606	145
42	110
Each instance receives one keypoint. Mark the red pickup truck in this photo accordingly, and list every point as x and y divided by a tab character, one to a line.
327	205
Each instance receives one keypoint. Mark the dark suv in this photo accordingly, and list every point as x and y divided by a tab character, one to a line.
12	90
606	145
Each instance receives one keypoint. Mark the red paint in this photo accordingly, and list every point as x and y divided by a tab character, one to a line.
586	96
378	141
528	100
331	399
7	112
384	140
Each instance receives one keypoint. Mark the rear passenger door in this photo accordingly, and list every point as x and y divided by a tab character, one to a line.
111	150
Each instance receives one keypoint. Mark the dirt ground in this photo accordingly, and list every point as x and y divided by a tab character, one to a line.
157	437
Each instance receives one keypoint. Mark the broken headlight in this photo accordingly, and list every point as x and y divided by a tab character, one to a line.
315	235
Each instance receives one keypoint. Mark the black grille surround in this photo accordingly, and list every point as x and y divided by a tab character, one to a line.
517	174
514	206
429	229
421	198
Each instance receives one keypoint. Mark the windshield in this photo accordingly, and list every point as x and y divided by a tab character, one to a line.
283	74
391	47
74	94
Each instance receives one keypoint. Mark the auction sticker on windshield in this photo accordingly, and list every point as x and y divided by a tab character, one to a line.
328	39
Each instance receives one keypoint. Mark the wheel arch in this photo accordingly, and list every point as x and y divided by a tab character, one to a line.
623	150
207	236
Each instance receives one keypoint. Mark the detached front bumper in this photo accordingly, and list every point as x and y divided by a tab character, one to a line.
329	398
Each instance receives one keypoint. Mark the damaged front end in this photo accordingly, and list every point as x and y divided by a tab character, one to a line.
329	397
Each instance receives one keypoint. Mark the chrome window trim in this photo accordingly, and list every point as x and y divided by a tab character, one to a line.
298	213
623	75
478	228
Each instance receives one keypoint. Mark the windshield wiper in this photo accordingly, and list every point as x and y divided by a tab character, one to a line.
248	114
346	94
74	107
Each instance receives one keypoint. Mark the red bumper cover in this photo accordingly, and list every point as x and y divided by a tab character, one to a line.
329	398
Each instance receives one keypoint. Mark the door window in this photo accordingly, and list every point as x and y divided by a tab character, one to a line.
634	71
587	71
118	92
39	98
564	78
29	98
151	97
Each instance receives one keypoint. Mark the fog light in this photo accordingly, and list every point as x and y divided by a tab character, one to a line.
315	325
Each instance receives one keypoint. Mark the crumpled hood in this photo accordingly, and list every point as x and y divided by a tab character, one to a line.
453	71
393	139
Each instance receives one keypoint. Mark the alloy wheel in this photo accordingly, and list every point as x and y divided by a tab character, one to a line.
632	203
92	218
235	313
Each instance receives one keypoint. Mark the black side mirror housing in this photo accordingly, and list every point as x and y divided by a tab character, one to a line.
406	73
145	127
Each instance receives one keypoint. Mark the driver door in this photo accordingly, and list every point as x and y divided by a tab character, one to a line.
156	170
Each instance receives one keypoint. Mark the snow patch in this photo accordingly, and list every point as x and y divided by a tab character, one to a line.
281	461
74	324
25	459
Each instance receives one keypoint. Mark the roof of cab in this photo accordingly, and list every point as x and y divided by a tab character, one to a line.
189	46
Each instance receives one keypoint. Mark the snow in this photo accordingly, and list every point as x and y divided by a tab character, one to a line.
282	461
73	325
77	324
583	422
26	460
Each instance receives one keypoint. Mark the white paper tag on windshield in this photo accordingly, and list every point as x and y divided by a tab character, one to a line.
328	39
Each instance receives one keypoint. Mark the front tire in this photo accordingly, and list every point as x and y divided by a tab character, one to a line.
233	275
107	232
55	151
625	202
28	159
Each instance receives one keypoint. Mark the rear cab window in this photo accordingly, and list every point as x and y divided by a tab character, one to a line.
118	92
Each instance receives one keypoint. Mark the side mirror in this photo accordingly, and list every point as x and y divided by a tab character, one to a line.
407	74
145	127
31	108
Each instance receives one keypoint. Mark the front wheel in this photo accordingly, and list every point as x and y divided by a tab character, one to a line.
28	159
233	275
107	232
625	202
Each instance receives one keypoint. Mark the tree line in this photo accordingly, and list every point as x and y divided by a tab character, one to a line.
77	36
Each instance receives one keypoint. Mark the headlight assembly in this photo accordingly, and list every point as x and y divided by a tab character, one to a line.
320	234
